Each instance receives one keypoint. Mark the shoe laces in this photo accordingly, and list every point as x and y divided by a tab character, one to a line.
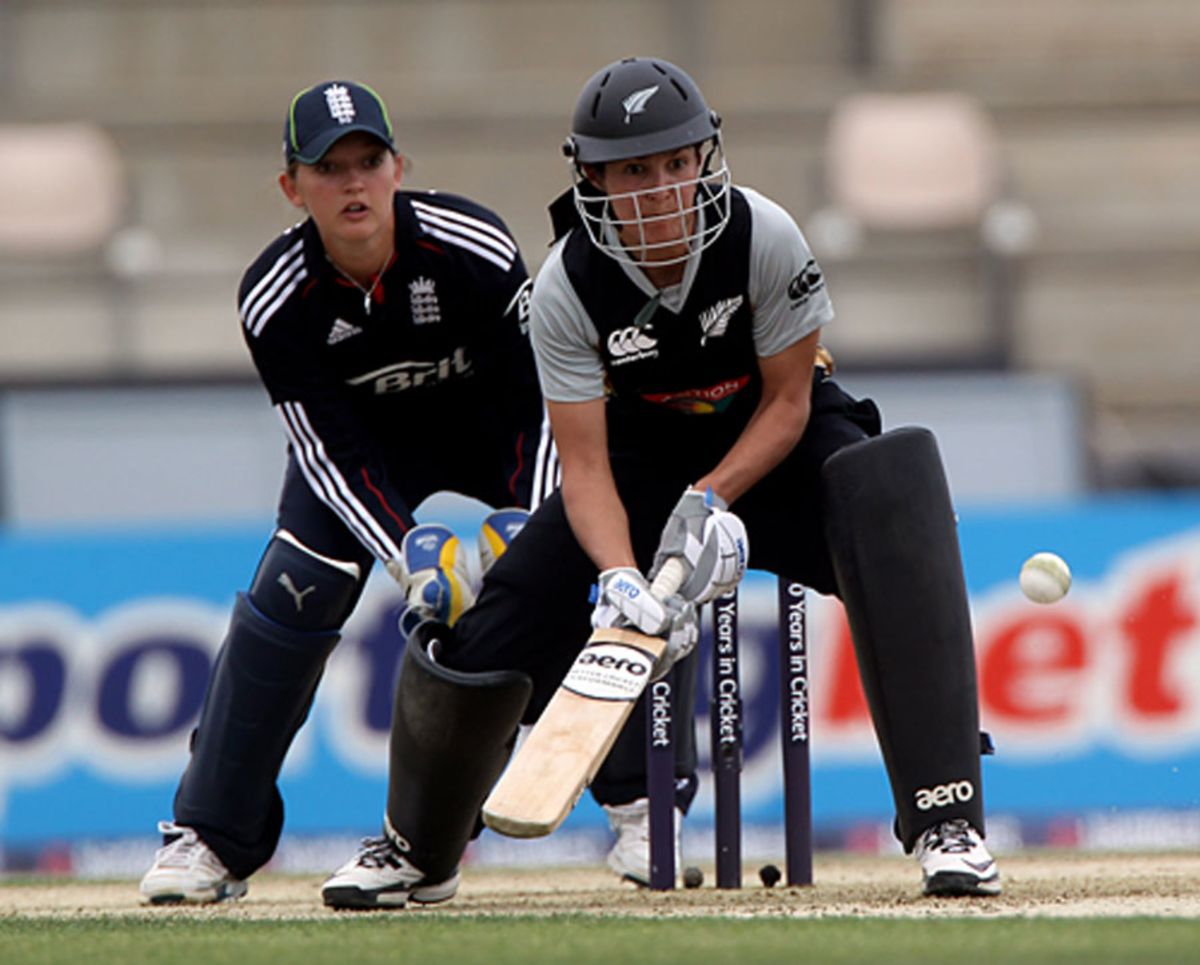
378	853
951	837
181	845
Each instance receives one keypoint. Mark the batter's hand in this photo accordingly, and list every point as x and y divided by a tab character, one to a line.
624	599
709	541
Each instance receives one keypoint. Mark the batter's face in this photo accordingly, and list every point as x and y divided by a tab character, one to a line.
348	192
653	201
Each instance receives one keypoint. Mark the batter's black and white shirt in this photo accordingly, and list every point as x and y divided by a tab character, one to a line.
678	366
428	384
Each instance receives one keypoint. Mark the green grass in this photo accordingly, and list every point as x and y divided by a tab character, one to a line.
579	940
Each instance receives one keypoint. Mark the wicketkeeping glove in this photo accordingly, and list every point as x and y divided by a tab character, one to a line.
624	599
709	541
500	527
433	573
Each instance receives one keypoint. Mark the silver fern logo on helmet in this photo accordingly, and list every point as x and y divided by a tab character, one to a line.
635	103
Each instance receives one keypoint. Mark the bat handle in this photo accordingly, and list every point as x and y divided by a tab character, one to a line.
669	579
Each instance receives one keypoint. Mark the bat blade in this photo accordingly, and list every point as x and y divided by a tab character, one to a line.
574	734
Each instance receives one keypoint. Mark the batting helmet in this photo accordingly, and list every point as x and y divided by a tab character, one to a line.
633	108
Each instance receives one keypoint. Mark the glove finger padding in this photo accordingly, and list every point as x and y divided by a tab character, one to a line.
684	528
623	598
721	562
682	634
711	542
433	572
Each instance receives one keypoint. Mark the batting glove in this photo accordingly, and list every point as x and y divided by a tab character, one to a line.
624	599
682	635
710	542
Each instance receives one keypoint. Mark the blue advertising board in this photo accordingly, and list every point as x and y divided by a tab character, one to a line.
106	639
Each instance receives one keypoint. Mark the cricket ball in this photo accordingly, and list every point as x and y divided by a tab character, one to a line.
769	875
693	877
1045	578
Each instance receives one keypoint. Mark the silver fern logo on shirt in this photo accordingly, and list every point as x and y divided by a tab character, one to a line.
714	321
424	301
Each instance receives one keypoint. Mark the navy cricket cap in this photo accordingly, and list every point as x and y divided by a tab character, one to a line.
323	114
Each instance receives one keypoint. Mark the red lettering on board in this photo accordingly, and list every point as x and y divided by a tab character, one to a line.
1030	667
1156	621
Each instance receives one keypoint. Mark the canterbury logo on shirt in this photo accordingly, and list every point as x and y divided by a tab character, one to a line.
806	283
631	344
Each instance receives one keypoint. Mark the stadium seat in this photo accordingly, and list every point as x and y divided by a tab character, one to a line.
923	168
62	189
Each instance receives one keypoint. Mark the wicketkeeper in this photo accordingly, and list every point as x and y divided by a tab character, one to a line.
382	326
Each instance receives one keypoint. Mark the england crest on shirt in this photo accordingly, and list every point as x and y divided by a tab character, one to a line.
424	301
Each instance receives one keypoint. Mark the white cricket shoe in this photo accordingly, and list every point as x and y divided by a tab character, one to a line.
186	869
955	862
630	854
379	876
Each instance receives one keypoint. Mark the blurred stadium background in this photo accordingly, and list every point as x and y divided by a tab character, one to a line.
1005	195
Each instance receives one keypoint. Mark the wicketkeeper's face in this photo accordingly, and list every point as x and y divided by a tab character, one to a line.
349	191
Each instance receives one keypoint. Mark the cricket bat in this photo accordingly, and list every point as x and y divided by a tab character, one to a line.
574	734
